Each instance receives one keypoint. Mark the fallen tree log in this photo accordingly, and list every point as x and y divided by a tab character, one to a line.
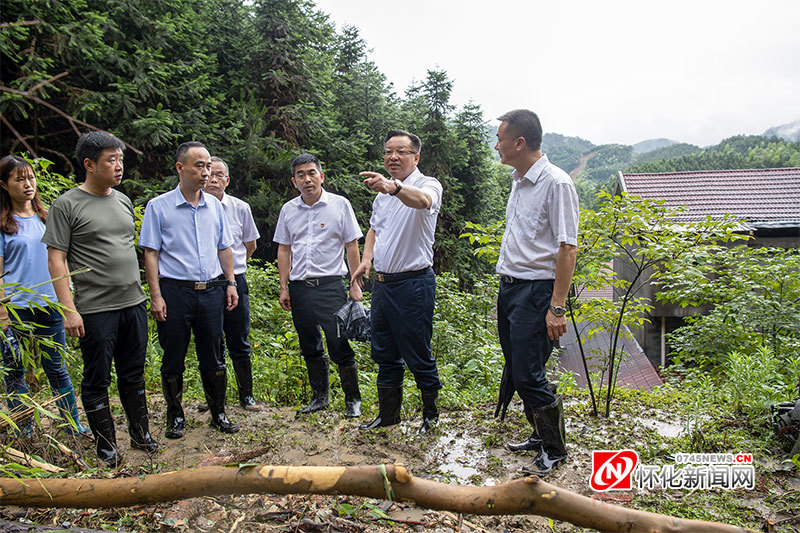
391	482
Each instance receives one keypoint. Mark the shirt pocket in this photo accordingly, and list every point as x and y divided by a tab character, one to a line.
528	222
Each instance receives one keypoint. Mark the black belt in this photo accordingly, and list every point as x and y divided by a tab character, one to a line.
197	285
510	279
316	282
384	278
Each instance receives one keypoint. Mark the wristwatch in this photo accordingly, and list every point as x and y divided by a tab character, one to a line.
399	188
557	310
231	283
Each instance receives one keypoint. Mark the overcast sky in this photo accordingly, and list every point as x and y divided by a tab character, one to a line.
618	71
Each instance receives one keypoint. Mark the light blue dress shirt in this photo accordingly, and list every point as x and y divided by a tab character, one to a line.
187	238
25	258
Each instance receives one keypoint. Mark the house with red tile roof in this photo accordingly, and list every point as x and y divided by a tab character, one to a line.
765	202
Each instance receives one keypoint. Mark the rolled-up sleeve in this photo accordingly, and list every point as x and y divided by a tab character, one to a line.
564	213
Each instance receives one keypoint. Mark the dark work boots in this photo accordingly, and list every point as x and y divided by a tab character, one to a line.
390	399
352	394
534	443
430	414
243	370
134	401
215	383
549	422
318	378
101	422
172	385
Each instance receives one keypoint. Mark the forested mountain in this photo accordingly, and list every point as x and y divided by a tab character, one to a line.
652	144
787	132
595	167
565	151
667	152
752	151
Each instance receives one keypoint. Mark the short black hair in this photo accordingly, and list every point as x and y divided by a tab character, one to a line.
184	147
91	145
215	159
302	159
524	123
416	142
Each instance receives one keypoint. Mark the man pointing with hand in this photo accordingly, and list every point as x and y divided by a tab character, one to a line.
400	240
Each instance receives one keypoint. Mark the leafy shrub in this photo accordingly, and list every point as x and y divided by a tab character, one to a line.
755	380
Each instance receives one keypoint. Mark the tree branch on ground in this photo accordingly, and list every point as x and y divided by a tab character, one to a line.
529	495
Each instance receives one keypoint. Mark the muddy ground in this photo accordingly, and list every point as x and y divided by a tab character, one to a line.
467	448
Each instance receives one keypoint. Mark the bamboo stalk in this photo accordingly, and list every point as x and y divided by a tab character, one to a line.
72	455
18	456
22	413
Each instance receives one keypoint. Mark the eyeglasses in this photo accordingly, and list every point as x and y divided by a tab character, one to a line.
218	175
398	153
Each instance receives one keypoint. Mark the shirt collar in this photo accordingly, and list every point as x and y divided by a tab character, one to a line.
180	200
412	178
535	172
323	199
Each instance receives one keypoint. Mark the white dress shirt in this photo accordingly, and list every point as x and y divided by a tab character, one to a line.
404	235
243	229
317	234
542	213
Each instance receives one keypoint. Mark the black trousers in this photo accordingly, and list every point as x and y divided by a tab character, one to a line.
313	308
119	336
190	311
402	328
236	323
521	327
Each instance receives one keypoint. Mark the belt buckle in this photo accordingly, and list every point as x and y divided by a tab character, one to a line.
200	285
380	277
312	282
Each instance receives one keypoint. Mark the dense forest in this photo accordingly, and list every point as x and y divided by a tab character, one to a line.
258	83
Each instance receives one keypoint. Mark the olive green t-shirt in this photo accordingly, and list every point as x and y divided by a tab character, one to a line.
98	232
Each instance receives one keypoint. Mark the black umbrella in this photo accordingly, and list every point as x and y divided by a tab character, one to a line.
507	391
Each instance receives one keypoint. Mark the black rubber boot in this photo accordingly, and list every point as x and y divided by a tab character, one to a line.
243	370
390	399
352	394
550	427
534	443
101	422
318	378
134	401
215	383
172	385
430	414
